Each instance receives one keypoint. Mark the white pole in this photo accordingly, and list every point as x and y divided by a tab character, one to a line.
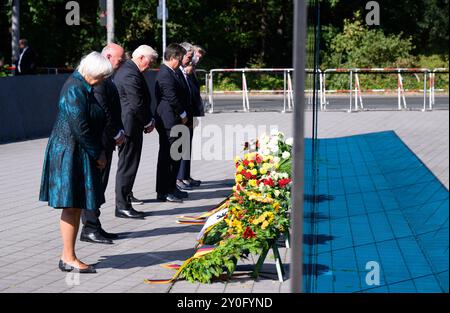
284	90
351	90
399	91
163	26
296	272
110	21
424	91
15	30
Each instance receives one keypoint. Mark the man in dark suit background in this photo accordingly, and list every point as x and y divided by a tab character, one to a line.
186	73
137	118
26	64
108	97
172	103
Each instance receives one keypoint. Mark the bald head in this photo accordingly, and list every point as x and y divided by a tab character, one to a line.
114	53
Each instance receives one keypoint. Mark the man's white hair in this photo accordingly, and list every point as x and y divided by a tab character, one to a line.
187	46
146	51
95	65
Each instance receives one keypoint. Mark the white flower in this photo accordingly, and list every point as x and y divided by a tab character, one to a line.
264	151
276	192
276	159
274	149
290	141
285	155
264	139
274	132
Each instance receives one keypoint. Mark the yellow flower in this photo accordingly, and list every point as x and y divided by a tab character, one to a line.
239	168
239	178
253	182
237	159
276	206
263	171
265	224
254	171
234	188
251	165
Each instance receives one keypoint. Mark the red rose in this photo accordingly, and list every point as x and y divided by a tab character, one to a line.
283	182
245	162
249	233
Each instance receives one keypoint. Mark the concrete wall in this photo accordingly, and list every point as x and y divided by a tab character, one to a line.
28	105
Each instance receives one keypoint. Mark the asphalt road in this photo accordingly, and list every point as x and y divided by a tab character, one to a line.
230	103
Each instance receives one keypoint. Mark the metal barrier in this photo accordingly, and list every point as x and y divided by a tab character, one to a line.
355	87
432	81
288	94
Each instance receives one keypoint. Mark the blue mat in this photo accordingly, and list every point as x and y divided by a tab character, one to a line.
374	200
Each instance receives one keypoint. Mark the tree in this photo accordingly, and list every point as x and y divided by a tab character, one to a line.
359	46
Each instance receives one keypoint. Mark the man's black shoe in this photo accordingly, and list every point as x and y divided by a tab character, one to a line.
108	235
183	186
161	197
194	182
180	194
173	198
129	213
95	237
133	200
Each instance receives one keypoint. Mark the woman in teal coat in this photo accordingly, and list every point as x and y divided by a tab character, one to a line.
74	158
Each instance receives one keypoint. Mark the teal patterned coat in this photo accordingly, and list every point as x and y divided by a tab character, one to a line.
70	178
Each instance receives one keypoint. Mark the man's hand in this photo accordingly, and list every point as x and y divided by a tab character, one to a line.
101	162
184	120
149	129
120	140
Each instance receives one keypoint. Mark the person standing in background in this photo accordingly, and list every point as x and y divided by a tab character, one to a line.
26	64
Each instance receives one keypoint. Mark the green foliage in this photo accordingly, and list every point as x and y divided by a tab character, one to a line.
359	46
238	33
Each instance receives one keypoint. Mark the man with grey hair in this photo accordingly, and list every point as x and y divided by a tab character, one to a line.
137	118
107	96
184	180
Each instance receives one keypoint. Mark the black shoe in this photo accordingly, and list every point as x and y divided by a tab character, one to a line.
161	197
94	237
129	213
180	194
133	200
69	268
194	182
108	235
173	198
183	186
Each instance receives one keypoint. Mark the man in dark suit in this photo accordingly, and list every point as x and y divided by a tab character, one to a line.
26	64
108	97
137	118
186	72
171	99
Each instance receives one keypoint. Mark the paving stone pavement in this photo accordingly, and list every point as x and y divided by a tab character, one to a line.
30	242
